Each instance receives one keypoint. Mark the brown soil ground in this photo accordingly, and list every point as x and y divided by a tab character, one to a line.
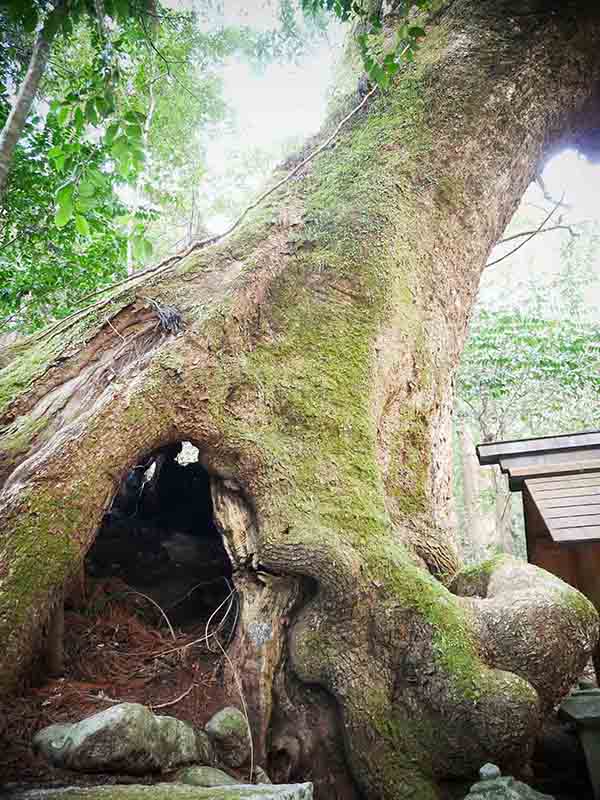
119	648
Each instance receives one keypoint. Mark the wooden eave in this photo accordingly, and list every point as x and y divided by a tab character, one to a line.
560	480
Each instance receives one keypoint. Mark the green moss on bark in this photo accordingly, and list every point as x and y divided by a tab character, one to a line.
39	554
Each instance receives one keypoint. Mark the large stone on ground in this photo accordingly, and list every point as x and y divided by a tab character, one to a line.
171	791
127	738
205	776
228	732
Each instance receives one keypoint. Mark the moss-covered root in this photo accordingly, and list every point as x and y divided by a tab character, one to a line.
526	617
428	707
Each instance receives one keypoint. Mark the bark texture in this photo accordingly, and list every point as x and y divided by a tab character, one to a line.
314	374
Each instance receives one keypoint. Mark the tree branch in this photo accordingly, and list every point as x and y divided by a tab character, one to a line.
13	127
547	196
569	228
519	246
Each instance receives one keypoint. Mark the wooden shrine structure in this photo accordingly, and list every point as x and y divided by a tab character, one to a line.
559	477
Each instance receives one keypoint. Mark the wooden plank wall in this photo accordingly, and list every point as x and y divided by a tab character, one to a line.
562	521
569	506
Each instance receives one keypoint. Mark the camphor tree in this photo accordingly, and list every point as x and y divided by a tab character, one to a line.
313	370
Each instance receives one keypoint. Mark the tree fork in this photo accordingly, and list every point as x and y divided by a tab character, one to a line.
314	374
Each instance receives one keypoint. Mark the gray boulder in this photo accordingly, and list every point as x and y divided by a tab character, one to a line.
228	732
170	791
126	738
493	786
260	775
205	776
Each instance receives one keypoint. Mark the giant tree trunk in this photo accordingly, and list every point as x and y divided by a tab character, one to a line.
314	374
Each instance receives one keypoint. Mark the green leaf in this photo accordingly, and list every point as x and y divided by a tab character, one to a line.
63	215
90	112
111	133
52	24
64	193
85	203
81	224
79	118
29	19
121	9
120	147
138	156
63	115
97	178
102	107
124	167
135	132
109	99
55	152
137	245
147	248
86	189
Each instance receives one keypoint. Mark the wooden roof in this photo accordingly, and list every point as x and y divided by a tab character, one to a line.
560	476
573	453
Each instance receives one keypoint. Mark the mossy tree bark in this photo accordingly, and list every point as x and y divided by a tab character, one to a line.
314	373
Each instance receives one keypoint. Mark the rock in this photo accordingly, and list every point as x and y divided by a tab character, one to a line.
170	791
206	753
493	787
488	772
260	775
126	738
228	732
205	776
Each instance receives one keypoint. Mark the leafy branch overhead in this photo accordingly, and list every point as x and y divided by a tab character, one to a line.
382	55
113	139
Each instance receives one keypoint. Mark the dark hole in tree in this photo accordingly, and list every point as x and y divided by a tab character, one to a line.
159	537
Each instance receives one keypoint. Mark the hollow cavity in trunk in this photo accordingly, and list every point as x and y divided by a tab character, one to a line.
160	538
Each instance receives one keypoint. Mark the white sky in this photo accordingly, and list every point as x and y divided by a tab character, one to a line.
580	180
282	102
536	266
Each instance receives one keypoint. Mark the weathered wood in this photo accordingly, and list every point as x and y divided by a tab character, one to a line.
572	521
559	480
491	453
554	472
568	511
576	492
574	535
556	503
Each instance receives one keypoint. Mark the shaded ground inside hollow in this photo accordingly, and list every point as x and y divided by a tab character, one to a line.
117	649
